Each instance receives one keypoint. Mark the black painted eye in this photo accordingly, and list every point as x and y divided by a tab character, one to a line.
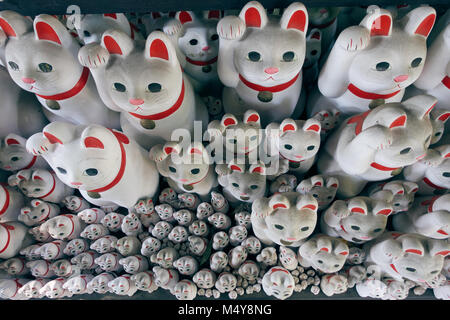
411	269
446	174
355	227
193	42
437	134
416	62
37	190
405	151
61	170
434	272
304	229
154	87
119	87
288	146
310	148
91	172
235	185
253	187
45	67
315	195
172	169
320	261
14	159
288	56
254	56
214	37
13	65
253	138
314	52
377	230
382	66
278	226
195	171
336	265
86	33
330	197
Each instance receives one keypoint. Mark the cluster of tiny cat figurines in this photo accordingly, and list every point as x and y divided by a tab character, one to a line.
219	154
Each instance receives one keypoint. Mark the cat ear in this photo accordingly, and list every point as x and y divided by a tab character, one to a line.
254	15
41	174
332	182
410	187
295	17
420	21
97	137
228	119
258	168
35	203
13	24
117	42
110	16
440	114
158	46
389	117
306	201
412	245
213	14
357	205
395	187
444	151
171	147
382	208
251	116
438	247
312	125
279	201
48	28
341	248
317	181
185	16
324	244
59	132
315	34
233	166
288	125
378	22
14	139
420	105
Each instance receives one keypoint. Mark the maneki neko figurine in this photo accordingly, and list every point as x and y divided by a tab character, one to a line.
14	156
260	61
14	237
399	193
38	212
372	63
377	144
104	164
11	200
41	57
145	83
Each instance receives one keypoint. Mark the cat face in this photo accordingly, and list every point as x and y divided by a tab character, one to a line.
219	220
128	245
186	265
94	231
288	258
52	250
184	216
120	285
238	234
78	284
178	234
220	240
249	270
72	203
108	261
323	189
243	218
13	154
75	247
35	214
161	230
99	284
54	289
245	185
185	290
218	261
134	264
226	282
237	256
190	171
197	245
112	221
93	215
150	246
142	81
204	279
360	228
62	227
131	223
278	282
166	257
313	48
199	228
252	244
165	211
33	183
92	26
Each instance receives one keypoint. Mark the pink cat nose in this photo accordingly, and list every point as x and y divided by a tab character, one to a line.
291	239
183	180
136	102
401	78
28	80
206	48
271	70
76	183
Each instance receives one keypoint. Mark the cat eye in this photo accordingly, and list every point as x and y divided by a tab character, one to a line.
382	66
61	170
13	65
172	169
214	37
253	187
254	56
45	67
195	171
446	174
314	52
437	134
288	56
304	229
377	230
288	147
235	185
279	227
253	138
405	151
310	148
416	62
154	87
434	272
86	33
193	42
14	159
119	87
91	172
315	195
411	269
355	227
396	204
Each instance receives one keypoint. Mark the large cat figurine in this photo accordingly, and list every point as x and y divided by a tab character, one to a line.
103	164
41	58
374	62
14	155
146	83
260	61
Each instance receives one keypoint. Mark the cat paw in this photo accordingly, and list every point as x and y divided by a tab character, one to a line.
38	144
377	137
231	28
432	158
93	56
157	153
354	38
172	27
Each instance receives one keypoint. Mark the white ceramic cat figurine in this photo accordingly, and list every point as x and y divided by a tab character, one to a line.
111	162
64	226
123	285
377	144
278	282
332	284
428	216
14	237
38	212
41	58
144	82
399	193
15	266
374	62
14	155
323	188
11	200
432	172
324	19
260	61
75	204
313	51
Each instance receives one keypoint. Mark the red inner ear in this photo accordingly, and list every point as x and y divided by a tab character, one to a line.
184	17
288	127
414	251
297	21
400	192
344	253
111	15
334	185
158	49
316	35
381	26
310	206
385	212
447	155
258	169
252	18
91	142
37	178
229	121
444	117
399	122
7	29
168	150
51	138
253	118
235	168
324	249
11	141
111	45
195	150
279	205
214	14
426	25
359	210
45	32
313	127
120	136
318	183
443	253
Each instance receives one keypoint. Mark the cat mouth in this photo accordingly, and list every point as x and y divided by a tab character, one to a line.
244	197
285	243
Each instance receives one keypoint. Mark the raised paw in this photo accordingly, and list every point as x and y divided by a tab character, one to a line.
378	137
38	144
172	27
93	56
231	28
354	38
157	153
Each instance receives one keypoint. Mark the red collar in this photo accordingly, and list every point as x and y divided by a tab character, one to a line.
81	203
446	81
164	114
323	25
73	224
52	189
369	95
121	139
381	167
278	269
296	161
276	88
431	184
72	92
17	287
201	63
48	214
7	228
33	161
8	198
359	120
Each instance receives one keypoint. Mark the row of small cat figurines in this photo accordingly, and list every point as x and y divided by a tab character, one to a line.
88	251
150	88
